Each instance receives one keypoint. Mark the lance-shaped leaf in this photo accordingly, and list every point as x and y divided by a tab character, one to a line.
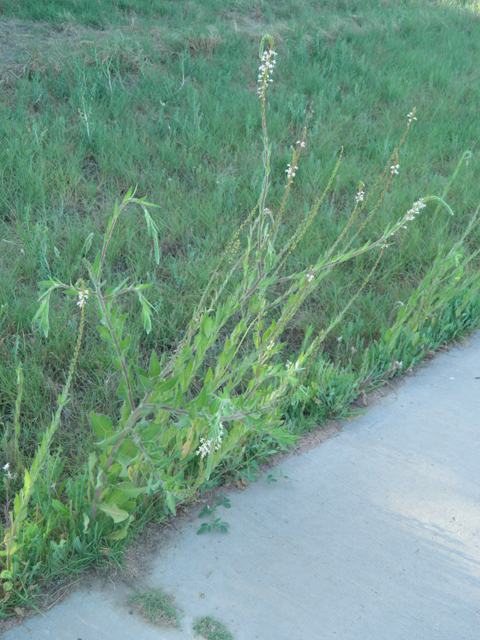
41	317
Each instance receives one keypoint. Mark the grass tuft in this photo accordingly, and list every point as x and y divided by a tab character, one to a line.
211	629
156	606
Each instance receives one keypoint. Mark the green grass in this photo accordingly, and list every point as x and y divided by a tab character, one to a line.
156	606
162	95
171	108
211	629
87	12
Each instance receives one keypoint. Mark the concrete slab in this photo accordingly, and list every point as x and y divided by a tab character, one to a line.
376	536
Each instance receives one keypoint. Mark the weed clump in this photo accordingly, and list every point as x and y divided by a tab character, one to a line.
156	606
211	629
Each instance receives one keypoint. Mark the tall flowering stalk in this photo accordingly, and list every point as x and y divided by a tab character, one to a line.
265	72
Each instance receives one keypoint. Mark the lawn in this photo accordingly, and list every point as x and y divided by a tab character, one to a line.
162	96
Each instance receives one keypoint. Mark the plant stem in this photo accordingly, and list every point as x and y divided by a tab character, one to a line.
101	302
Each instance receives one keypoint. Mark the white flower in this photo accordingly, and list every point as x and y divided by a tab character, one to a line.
206	445
394	169
6	467
302	144
265	70
290	171
411	117
415	210
82	298
310	277
9	475
204	448
360	195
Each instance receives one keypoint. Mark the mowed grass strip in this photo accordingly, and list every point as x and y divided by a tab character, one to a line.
164	98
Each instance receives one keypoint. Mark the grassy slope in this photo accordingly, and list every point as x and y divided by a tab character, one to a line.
169	97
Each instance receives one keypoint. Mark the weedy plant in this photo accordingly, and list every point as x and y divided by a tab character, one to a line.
278	473
211	629
156	606
216	523
224	385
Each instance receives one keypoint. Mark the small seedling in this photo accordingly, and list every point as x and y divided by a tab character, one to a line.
156	606
272	477
216	523
211	629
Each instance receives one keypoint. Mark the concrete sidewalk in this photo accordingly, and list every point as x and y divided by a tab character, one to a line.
376	537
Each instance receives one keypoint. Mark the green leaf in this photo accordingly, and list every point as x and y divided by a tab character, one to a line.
152	232
202	399
123	346
104	333
17	505
208	326
130	490
171	503
87	244
41	317
182	423
146	319
128	195
121	533
102	426
155	368
61	508
96	264
117	514
166	385
146	383
150	432
122	391
209	376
